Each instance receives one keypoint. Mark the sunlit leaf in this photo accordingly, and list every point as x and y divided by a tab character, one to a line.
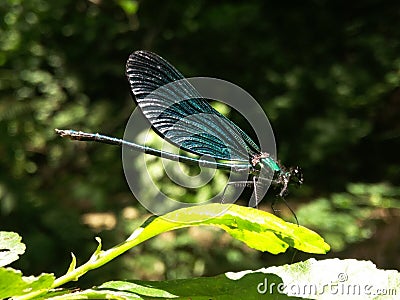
12	283
258	229
10	247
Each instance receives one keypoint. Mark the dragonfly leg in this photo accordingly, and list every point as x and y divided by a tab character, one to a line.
284	191
255	193
252	183
287	204
235	183
272	206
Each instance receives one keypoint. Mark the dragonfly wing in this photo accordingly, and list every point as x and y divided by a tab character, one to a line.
178	113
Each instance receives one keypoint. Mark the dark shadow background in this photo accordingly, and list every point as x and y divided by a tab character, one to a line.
327	73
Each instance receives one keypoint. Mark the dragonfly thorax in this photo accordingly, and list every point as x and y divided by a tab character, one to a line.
256	159
264	160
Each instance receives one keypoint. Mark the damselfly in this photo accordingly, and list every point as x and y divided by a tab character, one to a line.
216	137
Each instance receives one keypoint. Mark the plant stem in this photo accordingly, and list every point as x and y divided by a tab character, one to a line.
98	259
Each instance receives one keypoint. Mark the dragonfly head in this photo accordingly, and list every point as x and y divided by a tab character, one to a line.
263	162
293	175
296	175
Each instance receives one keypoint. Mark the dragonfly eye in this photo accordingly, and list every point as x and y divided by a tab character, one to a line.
296	175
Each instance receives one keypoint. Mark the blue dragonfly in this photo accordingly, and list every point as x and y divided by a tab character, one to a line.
217	137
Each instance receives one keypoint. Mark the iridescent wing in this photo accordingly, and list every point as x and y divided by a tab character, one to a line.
179	114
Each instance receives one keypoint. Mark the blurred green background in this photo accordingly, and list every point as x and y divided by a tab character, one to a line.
327	73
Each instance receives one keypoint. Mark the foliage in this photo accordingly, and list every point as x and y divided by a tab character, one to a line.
350	217
284	282
11	247
326	73
258	229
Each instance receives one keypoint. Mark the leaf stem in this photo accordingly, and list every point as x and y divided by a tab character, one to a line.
98	259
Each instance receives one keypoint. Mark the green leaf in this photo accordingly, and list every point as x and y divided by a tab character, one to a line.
90	294
217	287
12	283
137	289
10	247
258	229
342	279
